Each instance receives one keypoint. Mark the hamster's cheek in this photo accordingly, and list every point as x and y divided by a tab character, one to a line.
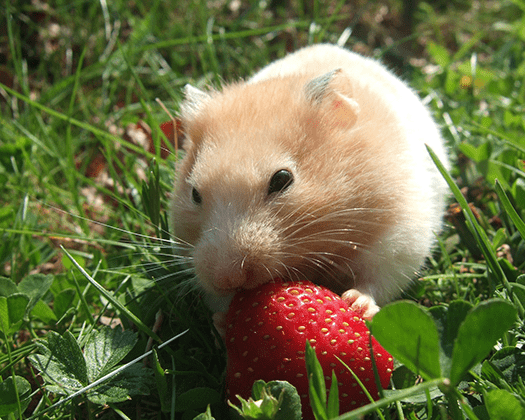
203	261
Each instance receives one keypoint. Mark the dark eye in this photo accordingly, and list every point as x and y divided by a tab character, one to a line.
280	181
196	196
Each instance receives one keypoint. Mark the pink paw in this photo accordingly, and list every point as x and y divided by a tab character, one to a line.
363	305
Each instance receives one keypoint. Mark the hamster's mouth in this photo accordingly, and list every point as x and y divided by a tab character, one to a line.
230	284
225	291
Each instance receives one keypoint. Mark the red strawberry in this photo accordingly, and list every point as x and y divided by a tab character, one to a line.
266	334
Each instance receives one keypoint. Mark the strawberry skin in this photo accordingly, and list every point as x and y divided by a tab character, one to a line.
266	334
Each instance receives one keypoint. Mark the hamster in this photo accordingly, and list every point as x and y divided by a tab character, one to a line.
315	168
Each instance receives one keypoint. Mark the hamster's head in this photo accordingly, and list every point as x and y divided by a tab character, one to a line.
268	187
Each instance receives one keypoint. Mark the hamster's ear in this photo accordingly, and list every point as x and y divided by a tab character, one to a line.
322	92
195	98
343	110
316	89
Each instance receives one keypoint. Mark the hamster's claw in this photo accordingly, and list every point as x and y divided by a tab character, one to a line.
364	305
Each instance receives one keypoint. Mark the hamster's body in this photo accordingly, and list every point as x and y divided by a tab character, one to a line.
316	168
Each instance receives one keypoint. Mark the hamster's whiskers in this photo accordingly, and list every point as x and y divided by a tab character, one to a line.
328	214
323	263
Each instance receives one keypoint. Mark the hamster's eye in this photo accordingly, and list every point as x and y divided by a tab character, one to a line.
196	196
280	181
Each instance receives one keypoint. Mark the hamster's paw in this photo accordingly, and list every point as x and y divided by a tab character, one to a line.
219	321
364	305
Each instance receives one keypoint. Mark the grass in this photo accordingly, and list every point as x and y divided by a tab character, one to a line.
76	183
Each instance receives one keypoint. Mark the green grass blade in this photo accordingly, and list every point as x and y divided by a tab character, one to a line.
80	124
514	216
363	387
143	327
473	225
394	396
317	386
332	407
69	146
506	139
192	40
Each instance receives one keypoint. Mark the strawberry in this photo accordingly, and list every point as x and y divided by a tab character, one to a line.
266	333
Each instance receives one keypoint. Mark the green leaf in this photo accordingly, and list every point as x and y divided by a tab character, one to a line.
257	389
63	302
197	399
439	54
134	380
403	377
478	333
502	405
290	408
269	407
493	374
17	305
61	363
12	310
105	348
477	154
7	287
68	371
264	408
275	400
43	312
8	395
408	332
205	416
507	364
245	409
448	319
35	286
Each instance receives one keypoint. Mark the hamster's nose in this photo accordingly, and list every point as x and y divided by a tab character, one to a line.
244	278
233	279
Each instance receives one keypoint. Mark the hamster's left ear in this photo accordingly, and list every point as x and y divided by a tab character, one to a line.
321	92
194	100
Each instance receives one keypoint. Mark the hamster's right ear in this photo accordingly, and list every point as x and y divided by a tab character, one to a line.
322	92
194	100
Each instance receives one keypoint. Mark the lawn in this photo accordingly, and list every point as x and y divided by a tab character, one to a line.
89	276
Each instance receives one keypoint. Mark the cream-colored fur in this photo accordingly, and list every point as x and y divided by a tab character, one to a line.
365	200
